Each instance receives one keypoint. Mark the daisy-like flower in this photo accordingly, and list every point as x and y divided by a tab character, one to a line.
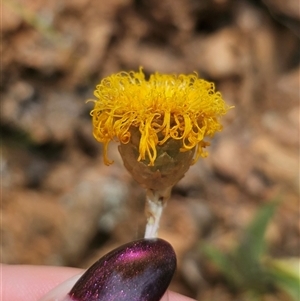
161	124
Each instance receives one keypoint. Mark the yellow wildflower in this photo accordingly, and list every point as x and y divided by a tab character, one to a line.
165	107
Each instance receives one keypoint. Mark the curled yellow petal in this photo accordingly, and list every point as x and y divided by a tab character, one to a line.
165	106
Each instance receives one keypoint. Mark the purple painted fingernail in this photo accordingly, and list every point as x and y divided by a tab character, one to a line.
138	271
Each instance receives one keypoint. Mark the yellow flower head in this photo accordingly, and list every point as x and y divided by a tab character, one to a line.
164	107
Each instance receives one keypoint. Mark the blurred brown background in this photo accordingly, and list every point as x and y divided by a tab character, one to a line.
62	206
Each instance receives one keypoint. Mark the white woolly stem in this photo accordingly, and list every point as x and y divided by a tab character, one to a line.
155	203
153	220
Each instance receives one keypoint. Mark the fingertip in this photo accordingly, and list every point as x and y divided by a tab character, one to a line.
60	293
172	296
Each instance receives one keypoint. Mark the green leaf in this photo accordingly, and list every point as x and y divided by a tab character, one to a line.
253	242
223	263
243	266
218	258
286	274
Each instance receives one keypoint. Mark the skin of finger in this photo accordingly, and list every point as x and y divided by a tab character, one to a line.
31	283
172	296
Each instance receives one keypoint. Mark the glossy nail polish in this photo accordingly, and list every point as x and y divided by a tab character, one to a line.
137	271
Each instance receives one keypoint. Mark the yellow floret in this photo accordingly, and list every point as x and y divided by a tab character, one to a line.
166	106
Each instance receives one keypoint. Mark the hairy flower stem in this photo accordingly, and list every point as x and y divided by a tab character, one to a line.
155	203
